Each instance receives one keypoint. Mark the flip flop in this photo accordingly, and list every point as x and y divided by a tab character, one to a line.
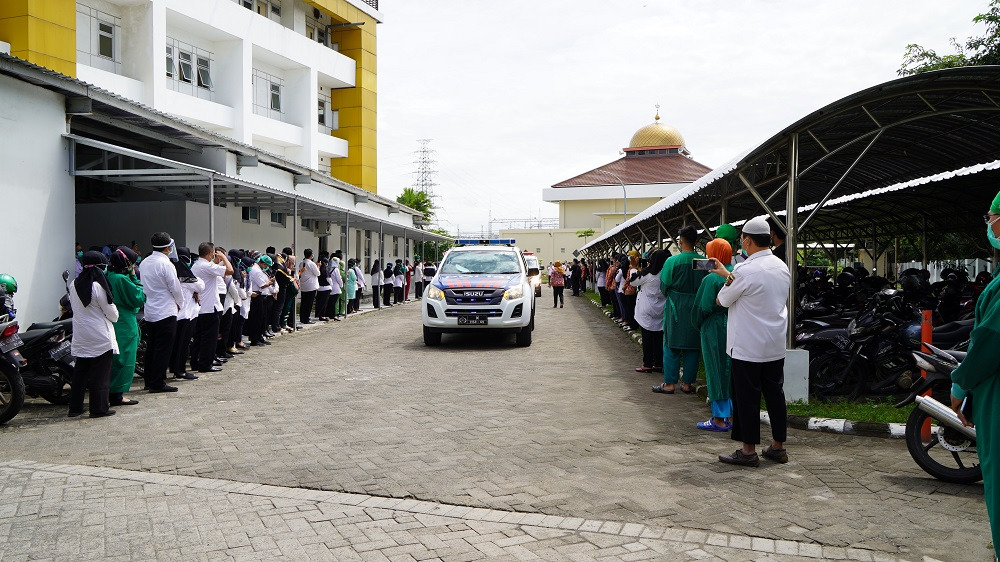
660	390
644	370
710	426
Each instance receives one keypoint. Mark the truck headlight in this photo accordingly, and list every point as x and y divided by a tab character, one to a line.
513	293
435	294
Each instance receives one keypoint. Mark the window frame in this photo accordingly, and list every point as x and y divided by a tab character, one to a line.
203	80
110	36
182	63
282	219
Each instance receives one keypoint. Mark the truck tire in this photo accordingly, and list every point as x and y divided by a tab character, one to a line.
523	337
431	338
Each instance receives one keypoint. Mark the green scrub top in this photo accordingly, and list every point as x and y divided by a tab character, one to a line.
126	290
679	283
711	320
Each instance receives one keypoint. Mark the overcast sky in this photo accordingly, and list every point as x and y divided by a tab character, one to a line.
520	95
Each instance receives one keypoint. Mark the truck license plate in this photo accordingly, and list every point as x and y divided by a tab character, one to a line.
471	321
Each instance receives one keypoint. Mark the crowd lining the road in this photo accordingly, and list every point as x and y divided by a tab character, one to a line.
201	309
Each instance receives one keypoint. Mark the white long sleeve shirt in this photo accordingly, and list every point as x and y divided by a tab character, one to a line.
164	297
756	294
93	331
309	278
257	279
191	308
212	274
649	303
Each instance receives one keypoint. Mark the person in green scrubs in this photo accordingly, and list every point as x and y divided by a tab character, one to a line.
679	282
979	375
711	320
129	298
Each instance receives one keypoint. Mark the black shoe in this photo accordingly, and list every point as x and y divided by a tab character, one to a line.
210	370
218	362
256	344
737	457
102	414
164	388
74	414
187	376
265	342
226	355
125	403
776	455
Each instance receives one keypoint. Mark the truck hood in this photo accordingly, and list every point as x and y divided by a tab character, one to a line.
486	281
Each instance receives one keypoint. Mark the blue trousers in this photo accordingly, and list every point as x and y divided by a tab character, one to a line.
722	408
672	365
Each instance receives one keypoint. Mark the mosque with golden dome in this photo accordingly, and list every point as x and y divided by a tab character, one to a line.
655	164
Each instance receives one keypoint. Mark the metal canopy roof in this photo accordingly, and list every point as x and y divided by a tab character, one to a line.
198	184
899	131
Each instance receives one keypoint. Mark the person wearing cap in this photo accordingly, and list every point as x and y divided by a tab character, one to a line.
979	375
756	294
164	298
679	282
729	233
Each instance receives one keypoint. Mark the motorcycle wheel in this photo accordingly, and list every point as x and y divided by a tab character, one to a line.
11	394
61	396
832	377
932	456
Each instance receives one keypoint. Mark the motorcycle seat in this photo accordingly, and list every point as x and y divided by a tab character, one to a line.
34	335
960	355
48	325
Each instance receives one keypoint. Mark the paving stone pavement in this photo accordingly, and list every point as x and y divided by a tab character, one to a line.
562	429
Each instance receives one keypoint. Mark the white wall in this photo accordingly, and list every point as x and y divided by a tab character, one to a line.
38	239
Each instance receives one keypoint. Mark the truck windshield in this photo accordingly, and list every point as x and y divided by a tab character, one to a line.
478	262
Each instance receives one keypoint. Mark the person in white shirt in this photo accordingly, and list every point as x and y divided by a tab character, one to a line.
211	267
309	280
378	279
187	316
164	298
756	294
94	341
362	284
649	305
398	279
259	284
336	288
323	293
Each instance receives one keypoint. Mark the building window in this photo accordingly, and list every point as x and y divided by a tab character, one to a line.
98	39
189	69
395	245
278	219
267	92
251	214
368	246
307	224
562	250
326	117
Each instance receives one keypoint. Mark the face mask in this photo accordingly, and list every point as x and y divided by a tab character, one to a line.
994	241
79	254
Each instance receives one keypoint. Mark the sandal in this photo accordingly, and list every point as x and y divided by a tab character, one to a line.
644	369
688	390
710	426
660	390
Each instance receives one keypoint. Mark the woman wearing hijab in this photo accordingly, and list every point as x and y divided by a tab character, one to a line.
629	292
94	341
323	293
557	280
387	276
649	312
334	308
398	280
377	279
187	316
711	319
126	291
352	287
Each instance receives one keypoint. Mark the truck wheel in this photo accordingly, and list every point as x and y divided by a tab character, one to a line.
523	337
431	338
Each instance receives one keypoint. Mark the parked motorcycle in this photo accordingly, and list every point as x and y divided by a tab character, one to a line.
11	362
948	450
48	372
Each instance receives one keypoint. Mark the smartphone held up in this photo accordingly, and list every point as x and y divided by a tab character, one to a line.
703	265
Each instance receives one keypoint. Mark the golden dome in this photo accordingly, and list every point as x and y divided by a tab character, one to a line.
656	134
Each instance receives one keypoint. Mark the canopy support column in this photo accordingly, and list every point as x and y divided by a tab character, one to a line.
923	240
211	208
347	250
701	222
295	222
792	231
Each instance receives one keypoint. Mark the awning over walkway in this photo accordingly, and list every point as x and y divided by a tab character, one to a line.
137	169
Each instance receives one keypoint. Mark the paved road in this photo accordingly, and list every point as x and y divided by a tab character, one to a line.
563	429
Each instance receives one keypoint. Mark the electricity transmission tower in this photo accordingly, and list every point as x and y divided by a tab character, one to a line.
425	169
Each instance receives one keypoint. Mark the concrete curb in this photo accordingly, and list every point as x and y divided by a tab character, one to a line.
827	425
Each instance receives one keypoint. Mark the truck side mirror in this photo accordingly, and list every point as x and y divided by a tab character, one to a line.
533	271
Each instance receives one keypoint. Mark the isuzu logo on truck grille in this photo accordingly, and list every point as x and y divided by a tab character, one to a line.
475	293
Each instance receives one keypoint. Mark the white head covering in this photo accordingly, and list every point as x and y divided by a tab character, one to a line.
757	225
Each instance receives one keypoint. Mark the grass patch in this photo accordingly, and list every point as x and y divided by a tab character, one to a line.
870	410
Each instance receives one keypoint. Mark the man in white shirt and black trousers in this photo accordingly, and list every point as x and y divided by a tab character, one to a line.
756	294
164	298
211	266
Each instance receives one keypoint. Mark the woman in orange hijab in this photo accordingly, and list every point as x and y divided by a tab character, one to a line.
711	320
557	280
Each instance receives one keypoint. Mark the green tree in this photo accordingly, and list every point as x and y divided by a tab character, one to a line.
976	51
586	233
417	200
434	250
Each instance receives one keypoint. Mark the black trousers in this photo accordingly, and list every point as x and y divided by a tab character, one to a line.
331	305
615	305
322	300
418	289
94	372
375	301
605	301
628	303
652	349
180	350
225	332
750	380
160	341
268	309
206	339
386	295
274	318
236	333
254	328
397	295
574	283
305	309
557	295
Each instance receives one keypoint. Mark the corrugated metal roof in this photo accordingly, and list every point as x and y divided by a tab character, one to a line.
637	170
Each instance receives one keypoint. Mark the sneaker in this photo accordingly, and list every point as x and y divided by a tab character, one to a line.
737	457
776	455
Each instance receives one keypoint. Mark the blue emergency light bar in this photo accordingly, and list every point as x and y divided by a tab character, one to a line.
490	242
